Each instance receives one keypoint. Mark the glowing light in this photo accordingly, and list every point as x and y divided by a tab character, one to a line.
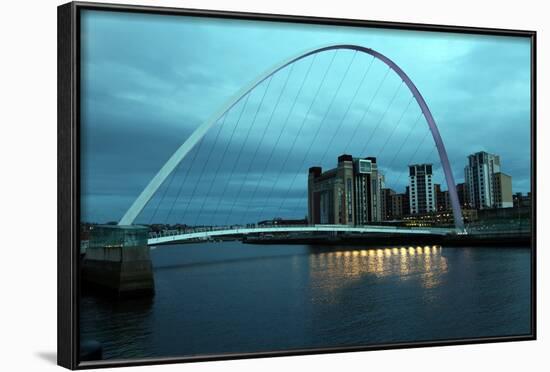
333	270
380	264
428	263
403	264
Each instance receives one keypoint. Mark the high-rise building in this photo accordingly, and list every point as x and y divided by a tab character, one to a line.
348	194
381	178
330	194
367	185
442	198
462	191
398	201
406	202
487	186
421	190
386	198
503	190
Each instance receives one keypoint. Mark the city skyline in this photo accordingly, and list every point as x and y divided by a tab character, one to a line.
405	189
354	191
135	114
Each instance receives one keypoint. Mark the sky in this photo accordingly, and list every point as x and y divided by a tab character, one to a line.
148	81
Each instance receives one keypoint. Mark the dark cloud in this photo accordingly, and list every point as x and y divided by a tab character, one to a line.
149	81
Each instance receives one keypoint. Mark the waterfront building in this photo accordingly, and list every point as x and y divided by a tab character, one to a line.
442	198
462	191
283	222
348	194
421	190
520	200
398	202
387	200
381	178
438	218
521	215
367	186
487	186
406	202
330	193
503	190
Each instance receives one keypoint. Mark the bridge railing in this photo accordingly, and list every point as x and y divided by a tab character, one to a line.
192	230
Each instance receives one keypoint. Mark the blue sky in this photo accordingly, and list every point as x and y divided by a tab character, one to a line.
148	81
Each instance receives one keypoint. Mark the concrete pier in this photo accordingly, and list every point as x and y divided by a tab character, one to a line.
117	261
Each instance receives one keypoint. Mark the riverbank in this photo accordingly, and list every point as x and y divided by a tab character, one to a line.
500	240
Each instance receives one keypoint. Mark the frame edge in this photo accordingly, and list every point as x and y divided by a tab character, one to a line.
295	18
66	208
534	245
68	182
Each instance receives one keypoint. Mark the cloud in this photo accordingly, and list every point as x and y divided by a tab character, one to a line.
148	81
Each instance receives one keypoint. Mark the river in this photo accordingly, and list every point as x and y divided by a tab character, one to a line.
230	297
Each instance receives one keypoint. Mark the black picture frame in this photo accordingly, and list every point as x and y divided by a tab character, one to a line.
69	176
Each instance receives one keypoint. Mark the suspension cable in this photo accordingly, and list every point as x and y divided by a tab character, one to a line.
413	126
381	119
367	110
220	162
161	199
395	127
235	163
420	144
298	134
351	101
272	152
304	159
220	126
266	128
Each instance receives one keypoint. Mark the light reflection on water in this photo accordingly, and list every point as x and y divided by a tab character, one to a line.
233	297
333	270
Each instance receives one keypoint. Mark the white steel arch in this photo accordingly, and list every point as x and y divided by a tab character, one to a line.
201	131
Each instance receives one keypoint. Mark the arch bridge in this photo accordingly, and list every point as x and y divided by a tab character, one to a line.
169	167
225	231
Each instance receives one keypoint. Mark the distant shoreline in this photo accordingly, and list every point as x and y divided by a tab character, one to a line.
448	241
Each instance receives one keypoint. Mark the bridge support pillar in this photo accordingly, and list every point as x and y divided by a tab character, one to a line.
117	261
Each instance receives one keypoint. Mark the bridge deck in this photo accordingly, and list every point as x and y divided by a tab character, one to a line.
177	237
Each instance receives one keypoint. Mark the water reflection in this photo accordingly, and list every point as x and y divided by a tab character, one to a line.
331	271
214	298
